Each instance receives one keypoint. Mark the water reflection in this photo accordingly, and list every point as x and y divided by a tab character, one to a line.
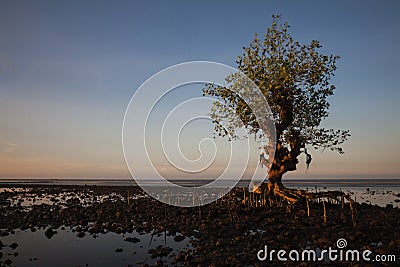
110	249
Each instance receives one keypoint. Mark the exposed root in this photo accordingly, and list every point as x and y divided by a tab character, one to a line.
292	196
279	194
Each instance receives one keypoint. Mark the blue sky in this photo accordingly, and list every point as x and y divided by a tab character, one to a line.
69	68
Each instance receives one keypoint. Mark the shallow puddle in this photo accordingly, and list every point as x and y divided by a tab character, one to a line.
66	249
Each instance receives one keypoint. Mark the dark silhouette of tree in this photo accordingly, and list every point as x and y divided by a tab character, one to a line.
296	81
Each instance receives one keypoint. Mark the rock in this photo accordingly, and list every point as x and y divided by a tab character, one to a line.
132	239
188	258
179	238
13	245
159	252
4	233
49	233
80	234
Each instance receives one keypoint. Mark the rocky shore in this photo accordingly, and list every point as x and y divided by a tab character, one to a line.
229	232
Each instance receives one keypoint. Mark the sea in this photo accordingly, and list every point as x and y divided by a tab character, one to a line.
375	191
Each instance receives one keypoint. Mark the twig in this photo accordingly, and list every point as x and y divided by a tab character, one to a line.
323	204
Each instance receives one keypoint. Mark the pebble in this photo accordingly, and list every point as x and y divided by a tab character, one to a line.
80	234
179	238
49	233
13	245
132	239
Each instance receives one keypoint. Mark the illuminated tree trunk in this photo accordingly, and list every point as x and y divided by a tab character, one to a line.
284	159
275	179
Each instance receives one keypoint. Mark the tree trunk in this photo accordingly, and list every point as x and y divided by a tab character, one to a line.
275	176
275	187
274	181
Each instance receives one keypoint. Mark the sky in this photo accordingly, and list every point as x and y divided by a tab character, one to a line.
68	70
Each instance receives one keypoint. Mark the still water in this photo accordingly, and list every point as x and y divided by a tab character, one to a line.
66	249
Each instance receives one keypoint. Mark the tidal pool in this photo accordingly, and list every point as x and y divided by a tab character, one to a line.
109	249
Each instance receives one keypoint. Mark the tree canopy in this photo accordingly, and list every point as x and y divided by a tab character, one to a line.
295	79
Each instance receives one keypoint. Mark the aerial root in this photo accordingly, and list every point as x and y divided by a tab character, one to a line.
293	196
281	195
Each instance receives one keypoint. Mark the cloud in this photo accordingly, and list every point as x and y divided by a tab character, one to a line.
6	148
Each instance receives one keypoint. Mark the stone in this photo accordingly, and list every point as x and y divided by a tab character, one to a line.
132	239
49	233
80	234
179	238
13	245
